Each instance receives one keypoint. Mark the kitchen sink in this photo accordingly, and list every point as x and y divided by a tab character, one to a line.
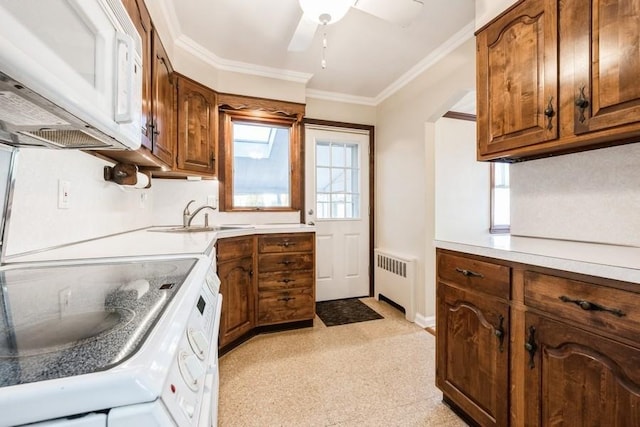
197	228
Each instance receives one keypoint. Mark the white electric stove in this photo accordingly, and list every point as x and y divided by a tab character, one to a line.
113	342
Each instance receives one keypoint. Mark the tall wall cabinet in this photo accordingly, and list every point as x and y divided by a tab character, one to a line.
558	76
519	345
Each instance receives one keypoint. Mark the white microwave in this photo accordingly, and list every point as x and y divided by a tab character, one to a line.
70	75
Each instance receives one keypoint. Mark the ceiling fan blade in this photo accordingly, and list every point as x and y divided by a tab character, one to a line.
303	35
399	12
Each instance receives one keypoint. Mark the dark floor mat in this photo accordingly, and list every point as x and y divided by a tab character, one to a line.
343	311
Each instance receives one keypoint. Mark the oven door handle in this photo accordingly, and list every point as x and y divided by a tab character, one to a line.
209	414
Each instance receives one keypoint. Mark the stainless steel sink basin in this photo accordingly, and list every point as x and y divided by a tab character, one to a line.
196	228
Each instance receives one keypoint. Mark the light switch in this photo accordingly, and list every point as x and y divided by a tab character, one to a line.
64	194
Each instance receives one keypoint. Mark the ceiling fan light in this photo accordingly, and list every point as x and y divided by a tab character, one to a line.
319	10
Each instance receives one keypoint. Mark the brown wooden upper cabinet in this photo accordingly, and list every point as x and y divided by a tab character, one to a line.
179	116
163	117
545	88
197	127
158	127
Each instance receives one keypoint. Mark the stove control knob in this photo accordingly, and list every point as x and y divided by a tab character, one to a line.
189	409
191	370
199	343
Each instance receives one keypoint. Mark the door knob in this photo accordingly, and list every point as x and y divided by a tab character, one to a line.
310	211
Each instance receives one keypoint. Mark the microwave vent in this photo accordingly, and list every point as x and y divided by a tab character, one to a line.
66	138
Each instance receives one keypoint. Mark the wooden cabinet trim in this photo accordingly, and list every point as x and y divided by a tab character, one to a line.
273	106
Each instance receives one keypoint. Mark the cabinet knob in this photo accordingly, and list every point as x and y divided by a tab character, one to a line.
549	113
582	103
531	346
499	333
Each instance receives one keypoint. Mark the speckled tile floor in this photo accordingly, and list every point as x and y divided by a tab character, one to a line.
374	373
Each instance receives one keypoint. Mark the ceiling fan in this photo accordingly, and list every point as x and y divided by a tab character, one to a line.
325	12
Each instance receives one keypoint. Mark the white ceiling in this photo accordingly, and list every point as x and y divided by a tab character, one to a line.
367	58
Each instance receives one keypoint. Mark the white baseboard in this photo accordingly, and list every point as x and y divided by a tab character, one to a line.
425	322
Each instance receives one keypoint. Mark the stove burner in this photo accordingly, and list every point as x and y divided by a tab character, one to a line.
67	331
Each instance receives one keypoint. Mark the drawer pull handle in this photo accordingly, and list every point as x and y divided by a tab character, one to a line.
286	244
286	262
499	333
592	306
468	273
285	299
287	280
531	346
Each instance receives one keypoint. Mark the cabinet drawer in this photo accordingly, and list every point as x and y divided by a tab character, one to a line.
486	277
274	243
286	306
606	309
285	262
278	280
234	247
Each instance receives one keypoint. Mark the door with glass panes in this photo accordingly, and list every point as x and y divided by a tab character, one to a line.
337	202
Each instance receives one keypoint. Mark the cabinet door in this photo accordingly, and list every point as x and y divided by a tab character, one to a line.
237	289
517	88
197	127
142	21
576	378
603	44
472	361
163	105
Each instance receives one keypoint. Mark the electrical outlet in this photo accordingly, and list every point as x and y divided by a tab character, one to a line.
212	200
64	297
64	194
143	200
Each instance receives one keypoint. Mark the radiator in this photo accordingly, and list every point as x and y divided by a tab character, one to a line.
395	280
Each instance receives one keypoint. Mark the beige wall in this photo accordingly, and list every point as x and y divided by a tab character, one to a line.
592	196
405	163
462	196
486	10
340	111
97	207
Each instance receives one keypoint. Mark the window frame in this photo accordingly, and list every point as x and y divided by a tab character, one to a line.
496	228
227	119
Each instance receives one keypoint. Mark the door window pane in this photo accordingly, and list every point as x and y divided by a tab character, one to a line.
323	155
338	180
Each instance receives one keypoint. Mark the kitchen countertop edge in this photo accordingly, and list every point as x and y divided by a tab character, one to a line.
608	261
146	243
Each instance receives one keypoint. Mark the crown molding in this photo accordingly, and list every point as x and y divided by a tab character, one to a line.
170	18
439	53
341	97
189	45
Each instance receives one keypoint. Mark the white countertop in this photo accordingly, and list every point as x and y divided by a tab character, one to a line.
145	242
610	261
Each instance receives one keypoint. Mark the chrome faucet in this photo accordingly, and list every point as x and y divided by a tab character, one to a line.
187	216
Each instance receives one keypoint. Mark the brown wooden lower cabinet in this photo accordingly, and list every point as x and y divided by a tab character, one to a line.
473	345
237	286
570	353
577	378
266	280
